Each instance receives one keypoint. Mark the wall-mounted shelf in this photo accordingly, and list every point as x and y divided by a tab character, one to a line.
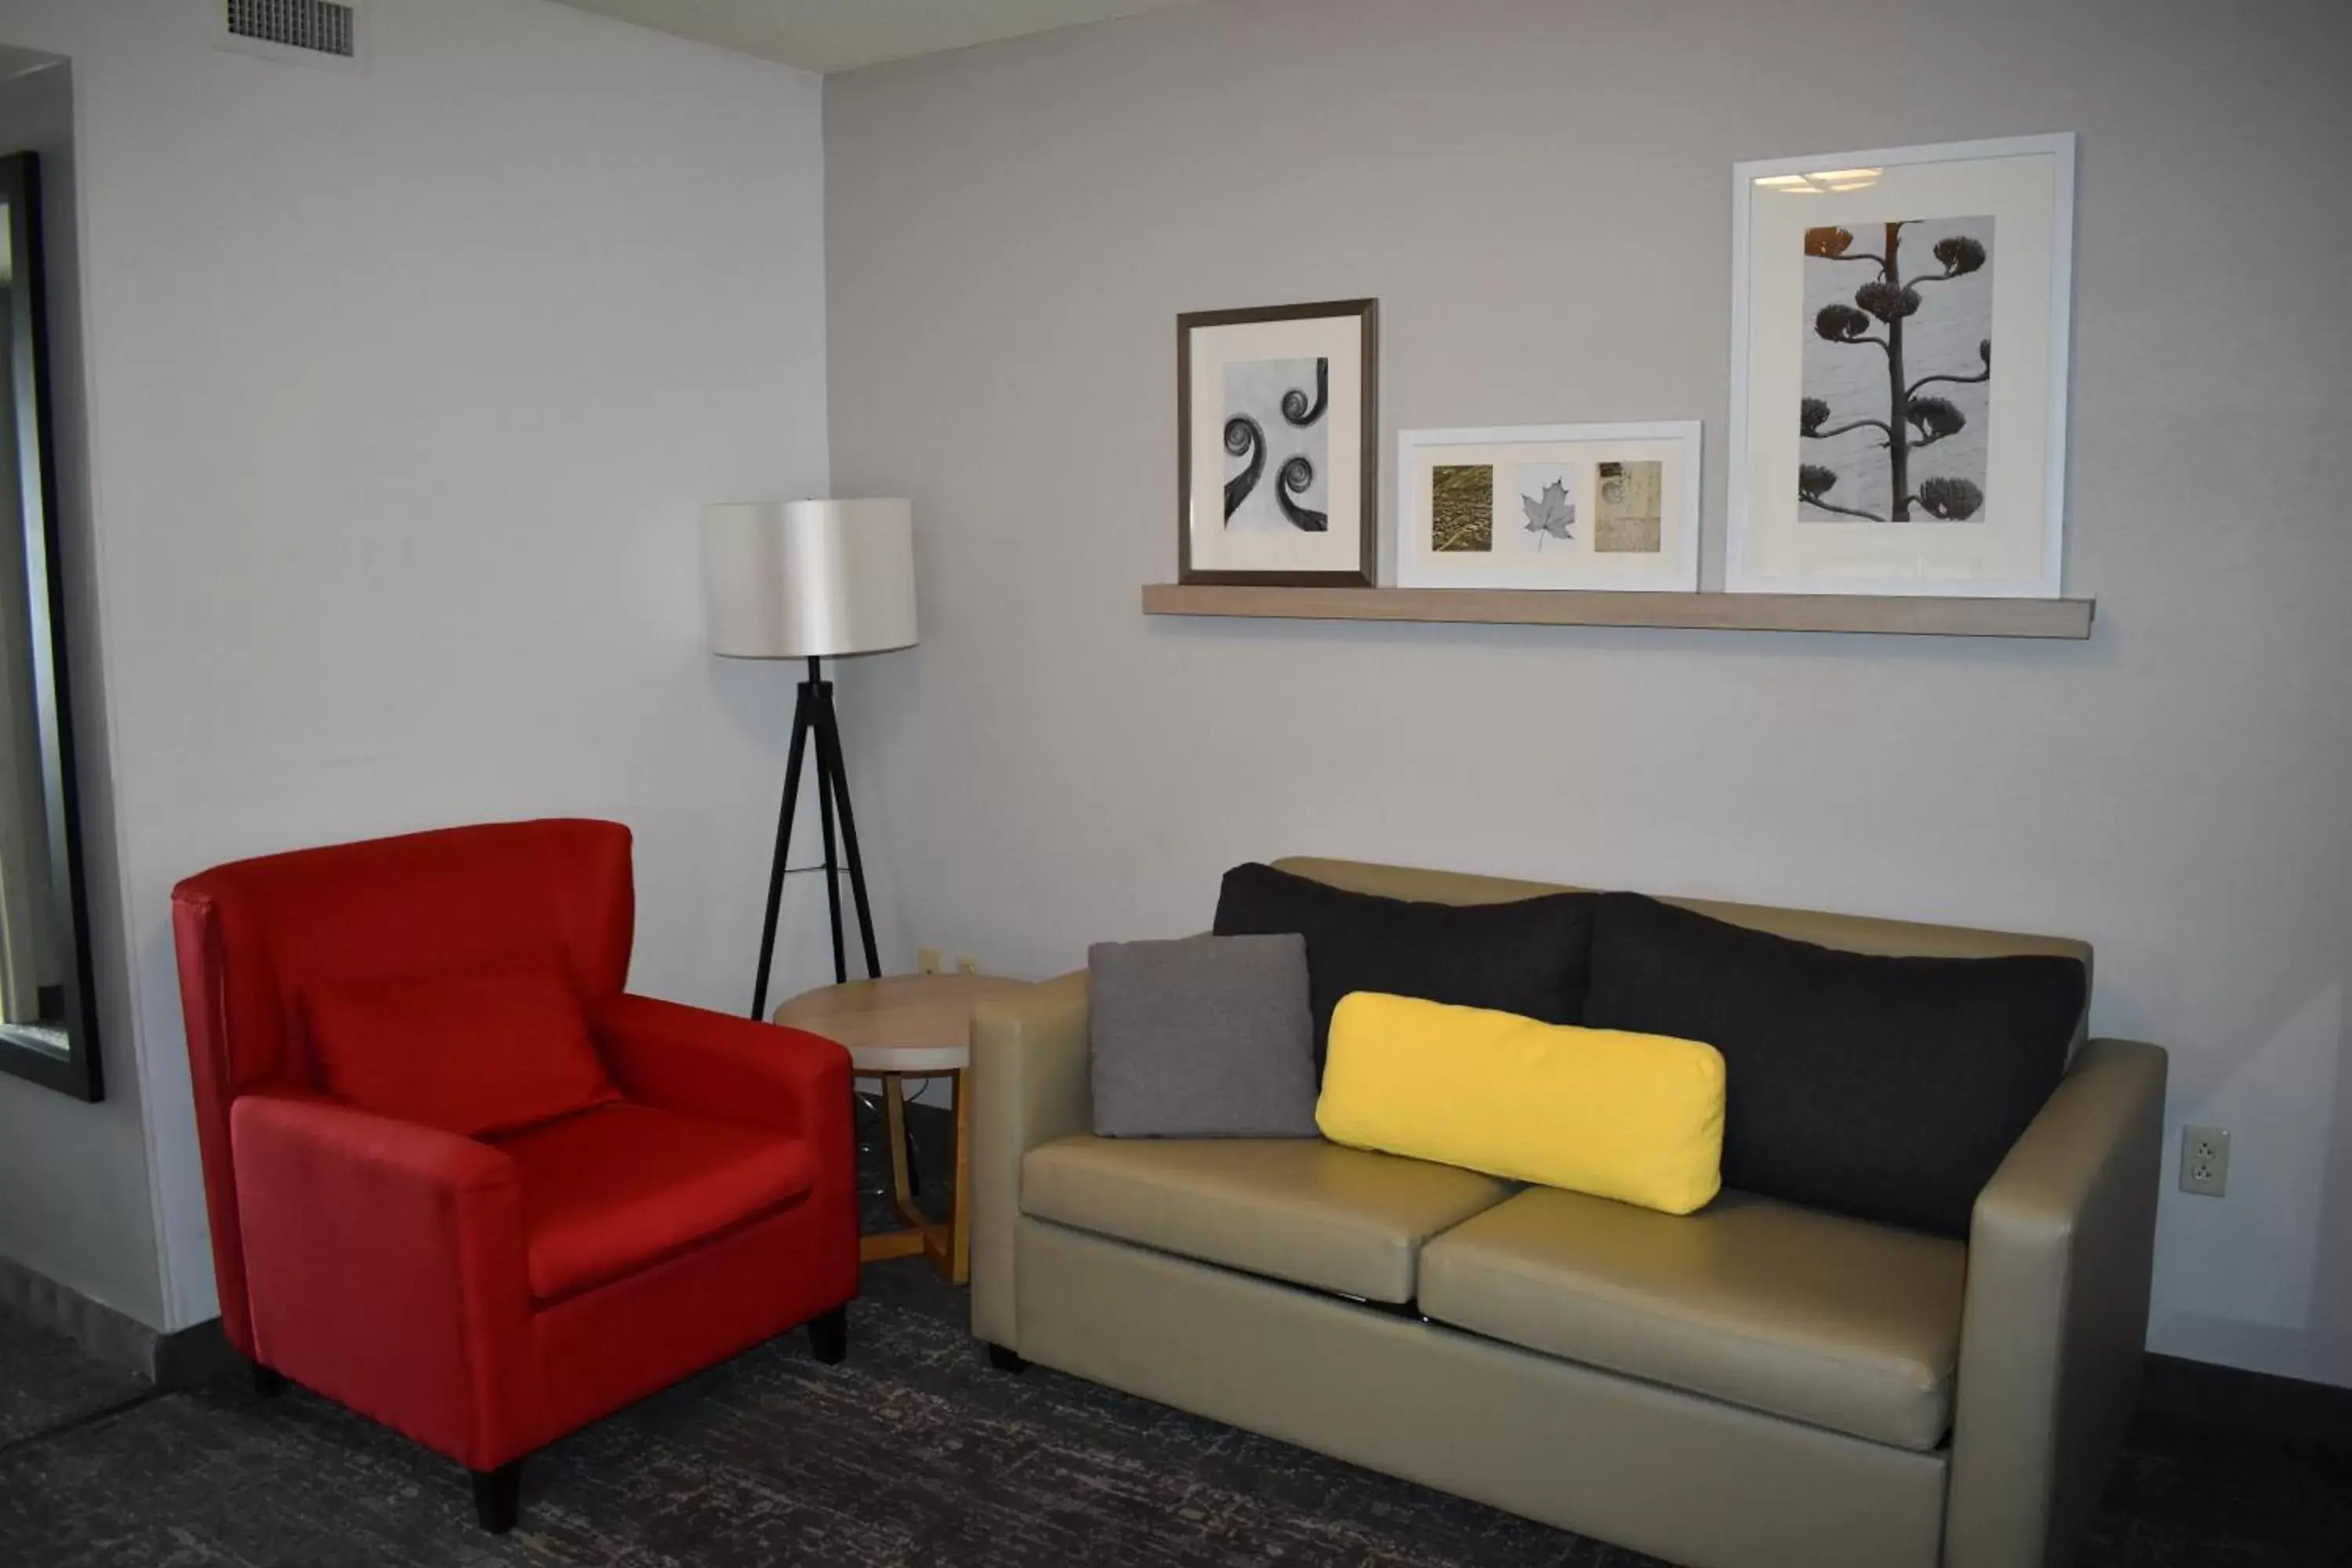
1952	617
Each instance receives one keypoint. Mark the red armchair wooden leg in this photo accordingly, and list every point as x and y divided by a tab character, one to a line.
829	1336
498	1497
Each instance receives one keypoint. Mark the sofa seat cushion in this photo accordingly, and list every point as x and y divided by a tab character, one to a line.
1344	1220
617	1189
1812	1316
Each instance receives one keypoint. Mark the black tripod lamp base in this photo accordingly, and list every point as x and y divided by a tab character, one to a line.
816	727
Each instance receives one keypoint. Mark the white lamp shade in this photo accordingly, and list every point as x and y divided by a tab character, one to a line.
808	579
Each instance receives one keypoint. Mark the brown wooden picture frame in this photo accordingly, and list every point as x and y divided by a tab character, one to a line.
1367	572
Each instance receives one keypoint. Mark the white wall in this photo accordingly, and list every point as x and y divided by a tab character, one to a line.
405	388
1539	194
75	1203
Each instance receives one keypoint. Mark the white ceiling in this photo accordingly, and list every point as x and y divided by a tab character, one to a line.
841	35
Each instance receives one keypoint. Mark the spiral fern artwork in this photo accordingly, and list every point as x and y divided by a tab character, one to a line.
1898	366
1278	445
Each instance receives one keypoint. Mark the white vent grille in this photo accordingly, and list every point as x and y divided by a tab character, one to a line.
318	26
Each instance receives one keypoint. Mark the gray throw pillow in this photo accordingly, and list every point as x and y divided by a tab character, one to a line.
1209	1037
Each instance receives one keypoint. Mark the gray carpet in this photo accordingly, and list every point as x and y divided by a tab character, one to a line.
46	1381
912	1453
915	1453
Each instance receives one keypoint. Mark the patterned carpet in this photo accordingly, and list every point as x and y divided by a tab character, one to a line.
46	1381
912	1453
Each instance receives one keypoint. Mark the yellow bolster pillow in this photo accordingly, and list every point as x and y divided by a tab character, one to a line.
1638	1118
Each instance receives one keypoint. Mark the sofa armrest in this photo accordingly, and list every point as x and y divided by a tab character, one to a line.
2055	1320
385	1265
717	1065
1030	1084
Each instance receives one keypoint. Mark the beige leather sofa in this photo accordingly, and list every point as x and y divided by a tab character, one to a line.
1755	1387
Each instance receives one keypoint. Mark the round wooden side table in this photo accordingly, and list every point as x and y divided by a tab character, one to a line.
909	1026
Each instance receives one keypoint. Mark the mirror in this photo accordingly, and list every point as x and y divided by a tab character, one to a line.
47	1012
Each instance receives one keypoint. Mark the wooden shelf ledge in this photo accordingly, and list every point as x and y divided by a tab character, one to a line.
1949	617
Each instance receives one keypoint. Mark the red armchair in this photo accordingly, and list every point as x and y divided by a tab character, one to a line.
486	1295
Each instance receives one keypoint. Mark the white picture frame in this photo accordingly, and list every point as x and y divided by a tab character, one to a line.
1802	404
1553	516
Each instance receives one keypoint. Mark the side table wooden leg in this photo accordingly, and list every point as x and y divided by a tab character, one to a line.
960	1227
893	1102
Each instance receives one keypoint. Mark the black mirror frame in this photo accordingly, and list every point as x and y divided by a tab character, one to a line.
76	1070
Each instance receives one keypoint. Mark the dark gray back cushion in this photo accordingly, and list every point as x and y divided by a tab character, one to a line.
1208	1036
1889	1089
1527	957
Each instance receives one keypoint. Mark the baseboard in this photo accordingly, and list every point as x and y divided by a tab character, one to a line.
196	1354
181	1360
2247	1403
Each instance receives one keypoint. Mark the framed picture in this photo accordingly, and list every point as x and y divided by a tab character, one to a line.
1277	431
1609	507
1898	399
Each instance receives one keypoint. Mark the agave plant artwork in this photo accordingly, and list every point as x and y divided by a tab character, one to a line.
1926	324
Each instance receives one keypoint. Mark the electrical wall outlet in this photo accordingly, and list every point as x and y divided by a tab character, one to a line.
927	961
967	964
2205	1161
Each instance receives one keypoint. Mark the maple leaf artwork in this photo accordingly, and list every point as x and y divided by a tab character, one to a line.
1553	516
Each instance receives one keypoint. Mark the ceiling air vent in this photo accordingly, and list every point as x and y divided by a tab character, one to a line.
320	32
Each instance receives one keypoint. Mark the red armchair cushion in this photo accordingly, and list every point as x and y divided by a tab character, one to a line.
475	1050
616	1189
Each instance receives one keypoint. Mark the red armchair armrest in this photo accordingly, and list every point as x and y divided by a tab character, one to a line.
386	1267
702	1063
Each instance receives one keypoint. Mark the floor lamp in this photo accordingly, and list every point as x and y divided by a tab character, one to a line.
811	580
